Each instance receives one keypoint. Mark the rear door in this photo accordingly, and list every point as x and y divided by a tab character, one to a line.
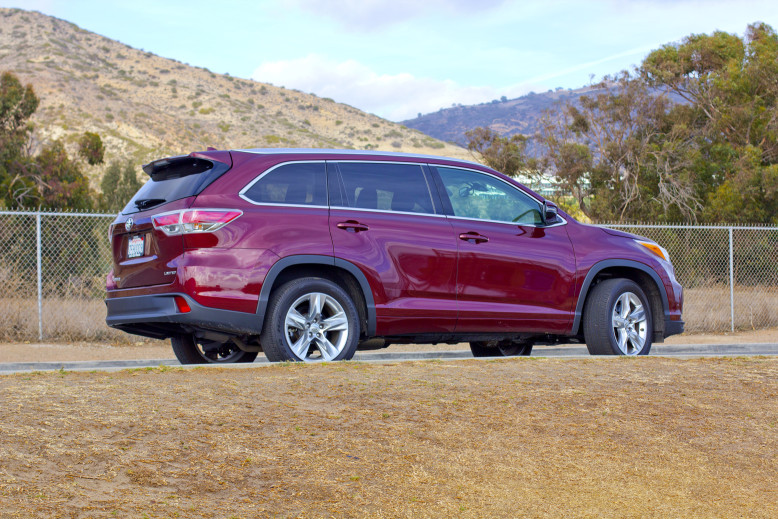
142	254
514	273
383	219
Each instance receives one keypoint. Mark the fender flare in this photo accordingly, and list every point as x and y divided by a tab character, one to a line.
313	259
602	265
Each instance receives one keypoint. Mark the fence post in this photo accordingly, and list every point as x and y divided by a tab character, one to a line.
40	278
731	282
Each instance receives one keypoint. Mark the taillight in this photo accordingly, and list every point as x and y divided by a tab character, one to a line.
207	220
193	221
110	234
169	223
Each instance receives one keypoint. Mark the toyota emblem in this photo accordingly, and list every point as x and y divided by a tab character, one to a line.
128	224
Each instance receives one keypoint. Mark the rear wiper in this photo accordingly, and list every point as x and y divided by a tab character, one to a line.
145	203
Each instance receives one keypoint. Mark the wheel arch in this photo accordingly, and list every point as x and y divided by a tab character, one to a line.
646	278
339	271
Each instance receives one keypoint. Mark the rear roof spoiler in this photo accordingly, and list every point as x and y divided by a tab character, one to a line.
183	165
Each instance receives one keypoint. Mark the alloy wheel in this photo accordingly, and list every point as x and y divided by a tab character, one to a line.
316	327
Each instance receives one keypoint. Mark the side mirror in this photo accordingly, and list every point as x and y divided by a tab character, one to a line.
550	212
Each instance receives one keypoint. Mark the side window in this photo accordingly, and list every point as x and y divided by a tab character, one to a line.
386	187
478	195
295	184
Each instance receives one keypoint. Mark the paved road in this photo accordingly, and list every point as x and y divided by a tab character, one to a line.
675	350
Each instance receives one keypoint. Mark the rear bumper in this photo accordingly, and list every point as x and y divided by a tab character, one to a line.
673	327
157	316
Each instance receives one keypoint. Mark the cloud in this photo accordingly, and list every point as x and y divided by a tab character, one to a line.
392	96
367	15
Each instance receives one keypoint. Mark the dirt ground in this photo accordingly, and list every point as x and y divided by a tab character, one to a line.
53	352
526	437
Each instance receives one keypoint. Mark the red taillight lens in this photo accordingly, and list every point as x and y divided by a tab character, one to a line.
182	305
167	219
169	223
207	220
193	221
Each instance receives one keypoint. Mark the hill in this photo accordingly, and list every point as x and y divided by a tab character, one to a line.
145	106
509	117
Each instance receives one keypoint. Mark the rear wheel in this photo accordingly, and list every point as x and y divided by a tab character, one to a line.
310	319
189	350
617	319
500	348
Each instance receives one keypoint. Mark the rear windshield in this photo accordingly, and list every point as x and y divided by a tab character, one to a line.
181	180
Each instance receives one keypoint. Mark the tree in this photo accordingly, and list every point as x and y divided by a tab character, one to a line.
49	179
622	154
62	185
505	154
731	93
90	148
692	134
17	104
119	184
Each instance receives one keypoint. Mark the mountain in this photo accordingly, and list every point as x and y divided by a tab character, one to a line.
145	106
509	117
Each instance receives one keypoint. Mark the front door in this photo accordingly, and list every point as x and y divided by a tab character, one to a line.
514	273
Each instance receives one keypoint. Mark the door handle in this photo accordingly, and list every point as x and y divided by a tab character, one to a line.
473	237
352	226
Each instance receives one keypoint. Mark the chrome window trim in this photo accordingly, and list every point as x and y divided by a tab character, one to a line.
513	224
242	192
274	204
384	211
256	179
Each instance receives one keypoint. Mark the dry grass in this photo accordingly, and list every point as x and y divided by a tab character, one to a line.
707	309
516	438
63	320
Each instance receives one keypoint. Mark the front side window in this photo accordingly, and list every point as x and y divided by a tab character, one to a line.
385	187
481	196
302	183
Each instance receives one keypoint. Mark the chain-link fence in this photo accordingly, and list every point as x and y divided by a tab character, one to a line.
52	276
729	273
53	268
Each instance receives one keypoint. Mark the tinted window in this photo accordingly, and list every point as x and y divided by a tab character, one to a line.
183	178
297	184
478	195
387	187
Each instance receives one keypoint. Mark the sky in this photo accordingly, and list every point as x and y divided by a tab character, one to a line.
399	58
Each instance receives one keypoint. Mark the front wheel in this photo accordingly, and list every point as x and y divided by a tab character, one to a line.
617	319
500	348
310	319
189	350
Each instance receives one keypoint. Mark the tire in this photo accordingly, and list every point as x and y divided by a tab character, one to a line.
617	319
310	319
190	351
500	348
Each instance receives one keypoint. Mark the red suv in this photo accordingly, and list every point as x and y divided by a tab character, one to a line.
313	254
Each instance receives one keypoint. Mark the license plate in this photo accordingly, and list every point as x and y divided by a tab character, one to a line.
135	247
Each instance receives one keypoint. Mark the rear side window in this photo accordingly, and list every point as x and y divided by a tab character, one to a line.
178	177
300	183
385	187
